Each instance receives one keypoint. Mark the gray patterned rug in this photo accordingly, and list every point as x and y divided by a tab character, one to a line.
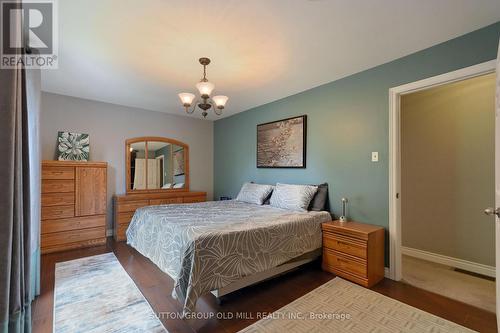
341	306
95	294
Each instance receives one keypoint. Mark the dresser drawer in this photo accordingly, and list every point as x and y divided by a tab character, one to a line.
58	212
58	173
75	223
74	245
194	199
131	206
58	199
68	237
165	201
345	244
120	232
58	186
345	263
125	217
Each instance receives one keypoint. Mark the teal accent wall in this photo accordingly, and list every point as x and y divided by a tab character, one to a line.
347	120
167	164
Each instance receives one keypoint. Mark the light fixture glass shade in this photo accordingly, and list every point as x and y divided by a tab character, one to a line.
220	101
186	98
205	88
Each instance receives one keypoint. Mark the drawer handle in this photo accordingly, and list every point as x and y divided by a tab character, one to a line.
343	244
342	261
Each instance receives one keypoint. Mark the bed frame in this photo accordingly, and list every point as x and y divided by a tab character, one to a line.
259	277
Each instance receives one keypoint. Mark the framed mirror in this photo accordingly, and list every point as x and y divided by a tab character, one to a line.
155	164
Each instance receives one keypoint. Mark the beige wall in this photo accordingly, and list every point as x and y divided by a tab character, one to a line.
448	169
109	125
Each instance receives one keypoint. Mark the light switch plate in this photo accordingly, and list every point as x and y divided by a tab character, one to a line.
374	156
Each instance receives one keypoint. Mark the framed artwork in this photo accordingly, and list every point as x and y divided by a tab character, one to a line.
178	162
73	146
282	143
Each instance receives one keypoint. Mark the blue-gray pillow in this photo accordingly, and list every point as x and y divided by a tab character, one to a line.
293	197
318	202
254	193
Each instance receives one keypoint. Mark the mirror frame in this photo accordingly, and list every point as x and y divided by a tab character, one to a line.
145	139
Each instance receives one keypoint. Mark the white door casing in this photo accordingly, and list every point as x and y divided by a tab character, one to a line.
497	181
395	156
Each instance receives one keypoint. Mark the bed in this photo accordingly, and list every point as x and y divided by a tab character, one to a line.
211	245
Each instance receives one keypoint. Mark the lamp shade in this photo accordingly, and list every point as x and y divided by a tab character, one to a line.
220	101
205	88
186	98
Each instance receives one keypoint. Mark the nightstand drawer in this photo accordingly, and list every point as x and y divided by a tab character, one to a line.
344	244
345	263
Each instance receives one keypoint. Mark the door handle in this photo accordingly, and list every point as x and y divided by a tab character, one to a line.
492	211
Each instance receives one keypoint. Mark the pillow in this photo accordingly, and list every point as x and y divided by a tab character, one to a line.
318	202
293	197
254	193
167	185
266	200
178	185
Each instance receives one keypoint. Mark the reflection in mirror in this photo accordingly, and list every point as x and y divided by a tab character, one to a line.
165	166
178	160
138	166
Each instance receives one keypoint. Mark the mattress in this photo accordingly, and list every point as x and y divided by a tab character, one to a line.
206	246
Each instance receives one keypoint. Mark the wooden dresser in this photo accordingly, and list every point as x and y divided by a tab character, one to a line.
354	251
125	206
73	205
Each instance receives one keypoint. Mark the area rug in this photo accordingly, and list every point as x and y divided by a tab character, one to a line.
341	306
95	294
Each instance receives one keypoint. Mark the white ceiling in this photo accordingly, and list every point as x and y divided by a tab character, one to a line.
142	53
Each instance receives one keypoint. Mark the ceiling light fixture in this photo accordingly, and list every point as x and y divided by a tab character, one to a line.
205	87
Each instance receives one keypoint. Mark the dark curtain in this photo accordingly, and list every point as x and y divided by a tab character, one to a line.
19	197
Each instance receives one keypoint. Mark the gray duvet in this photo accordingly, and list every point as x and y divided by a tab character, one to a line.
206	246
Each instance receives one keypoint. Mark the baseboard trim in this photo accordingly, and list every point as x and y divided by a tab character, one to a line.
450	261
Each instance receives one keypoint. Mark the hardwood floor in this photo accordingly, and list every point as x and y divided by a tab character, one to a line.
264	297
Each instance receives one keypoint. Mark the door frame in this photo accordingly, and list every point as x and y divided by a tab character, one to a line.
395	93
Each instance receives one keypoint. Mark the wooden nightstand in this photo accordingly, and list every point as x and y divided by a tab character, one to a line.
354	251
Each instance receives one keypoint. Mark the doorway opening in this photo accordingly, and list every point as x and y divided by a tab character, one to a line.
442	177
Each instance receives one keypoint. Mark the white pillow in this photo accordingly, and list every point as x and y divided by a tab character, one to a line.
254	193
167	185
179	185
293	197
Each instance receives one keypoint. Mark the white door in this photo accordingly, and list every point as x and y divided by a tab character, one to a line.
496	211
